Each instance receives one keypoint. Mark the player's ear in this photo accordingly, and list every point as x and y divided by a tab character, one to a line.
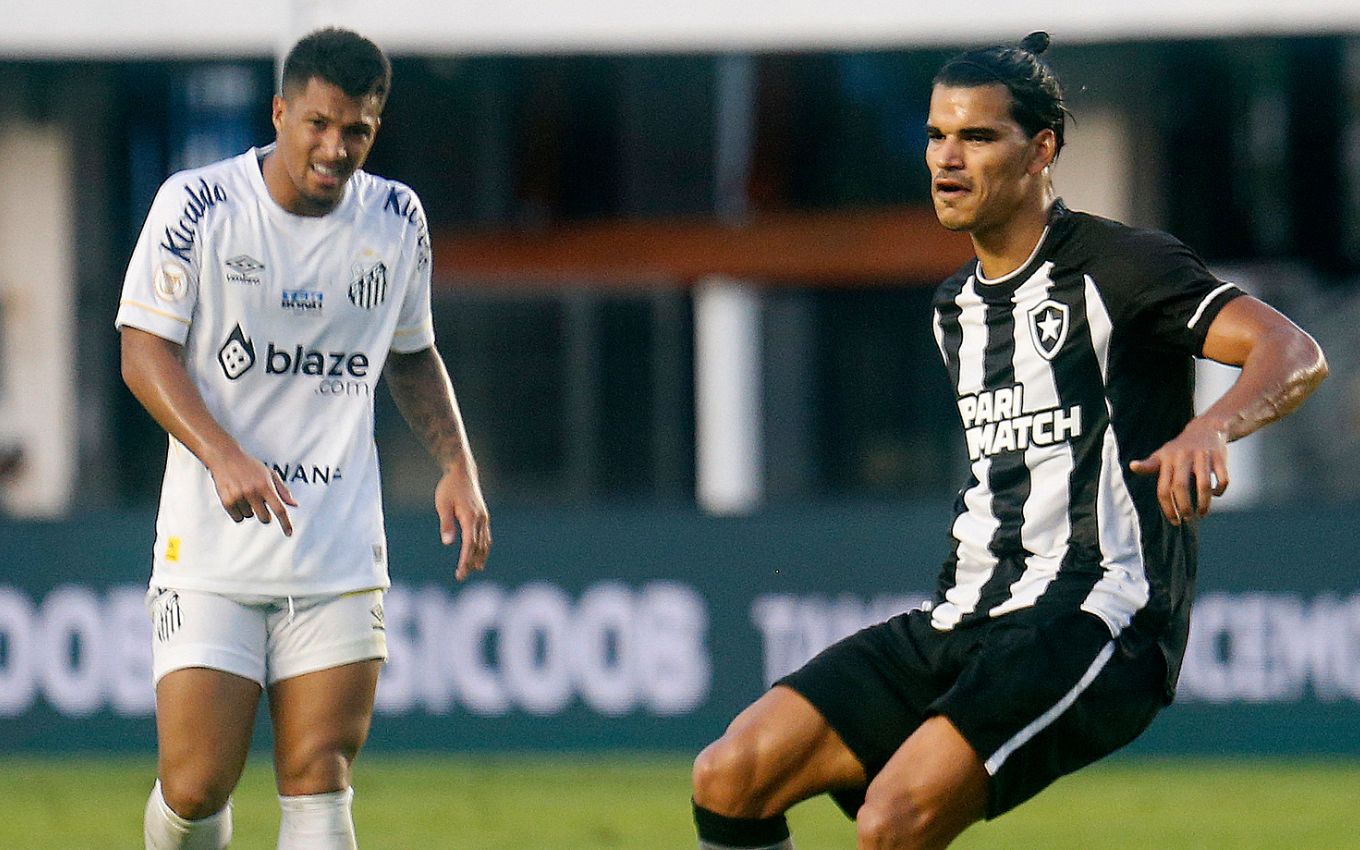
280	105
1044	149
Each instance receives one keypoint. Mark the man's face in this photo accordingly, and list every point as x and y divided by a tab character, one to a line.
324	136
981	162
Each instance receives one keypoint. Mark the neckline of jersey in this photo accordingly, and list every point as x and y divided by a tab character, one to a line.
255	158
1056	211
1020	269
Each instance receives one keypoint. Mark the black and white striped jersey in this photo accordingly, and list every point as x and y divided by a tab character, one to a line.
1065	371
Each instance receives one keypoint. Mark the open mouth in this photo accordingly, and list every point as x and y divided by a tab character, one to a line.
949	190
328	175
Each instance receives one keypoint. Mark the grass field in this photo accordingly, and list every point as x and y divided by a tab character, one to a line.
641	803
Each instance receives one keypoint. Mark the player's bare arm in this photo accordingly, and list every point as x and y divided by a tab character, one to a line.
424	394
154	372
1281	366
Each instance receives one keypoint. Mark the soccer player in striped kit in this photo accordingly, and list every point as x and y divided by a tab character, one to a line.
1061	614
266	296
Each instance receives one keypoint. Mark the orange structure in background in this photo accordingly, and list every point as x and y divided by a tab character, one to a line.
895	245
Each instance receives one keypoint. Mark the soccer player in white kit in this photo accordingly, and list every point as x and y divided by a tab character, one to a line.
266	295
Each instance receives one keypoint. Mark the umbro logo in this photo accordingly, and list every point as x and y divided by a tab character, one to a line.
245	264
244	269
377	612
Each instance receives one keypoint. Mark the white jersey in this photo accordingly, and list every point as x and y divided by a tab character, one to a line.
286	322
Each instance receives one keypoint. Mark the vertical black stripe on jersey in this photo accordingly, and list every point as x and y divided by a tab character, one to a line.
1079	380
951	341
1008	476
951	333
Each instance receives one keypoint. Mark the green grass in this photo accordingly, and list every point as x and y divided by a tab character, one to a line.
440	802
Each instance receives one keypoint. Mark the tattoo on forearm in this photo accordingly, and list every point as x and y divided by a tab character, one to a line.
421	388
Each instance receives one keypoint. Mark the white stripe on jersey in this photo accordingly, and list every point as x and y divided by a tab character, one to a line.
973	345
1047	526
973	528
1098	320
1208	299
975	564
938	327
1124	589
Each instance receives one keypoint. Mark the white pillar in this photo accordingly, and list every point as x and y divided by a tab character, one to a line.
1093	172
1246	458
303	17
728	411
37	317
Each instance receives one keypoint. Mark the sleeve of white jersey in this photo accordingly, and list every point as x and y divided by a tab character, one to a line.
415	325
161	285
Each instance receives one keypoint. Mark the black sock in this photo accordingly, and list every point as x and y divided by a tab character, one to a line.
739	832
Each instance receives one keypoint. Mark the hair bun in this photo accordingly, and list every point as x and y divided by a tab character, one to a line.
1036	42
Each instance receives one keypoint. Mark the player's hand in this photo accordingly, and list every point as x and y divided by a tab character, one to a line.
458	501
1196	459
248	489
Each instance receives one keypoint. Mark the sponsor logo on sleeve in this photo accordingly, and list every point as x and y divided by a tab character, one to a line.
403	205
180	235
369	287
236	355
171	282
244	270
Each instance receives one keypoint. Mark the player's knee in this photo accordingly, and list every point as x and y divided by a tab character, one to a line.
901	822
195	797
723	778
319	770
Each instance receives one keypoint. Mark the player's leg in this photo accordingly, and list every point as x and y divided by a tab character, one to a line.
320	722
776	753
931	790
204	720
1038	699
208	661
827	727
325	657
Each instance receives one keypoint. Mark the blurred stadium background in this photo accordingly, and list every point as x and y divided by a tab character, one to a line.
683	260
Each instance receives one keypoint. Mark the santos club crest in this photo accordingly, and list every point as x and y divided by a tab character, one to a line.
369	287
1048	327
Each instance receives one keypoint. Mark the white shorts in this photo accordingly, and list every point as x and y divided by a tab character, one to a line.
263	638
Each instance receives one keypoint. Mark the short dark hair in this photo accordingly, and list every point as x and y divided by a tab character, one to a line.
1036	95
345	59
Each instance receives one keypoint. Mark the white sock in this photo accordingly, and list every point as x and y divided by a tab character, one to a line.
162	829
317	822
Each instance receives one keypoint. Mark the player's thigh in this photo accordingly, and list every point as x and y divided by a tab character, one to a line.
324	660
204	720
321	720
931	789
208	663
775	753
1045	696
1114	707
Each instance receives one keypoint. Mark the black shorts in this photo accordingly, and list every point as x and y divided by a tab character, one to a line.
1037	695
